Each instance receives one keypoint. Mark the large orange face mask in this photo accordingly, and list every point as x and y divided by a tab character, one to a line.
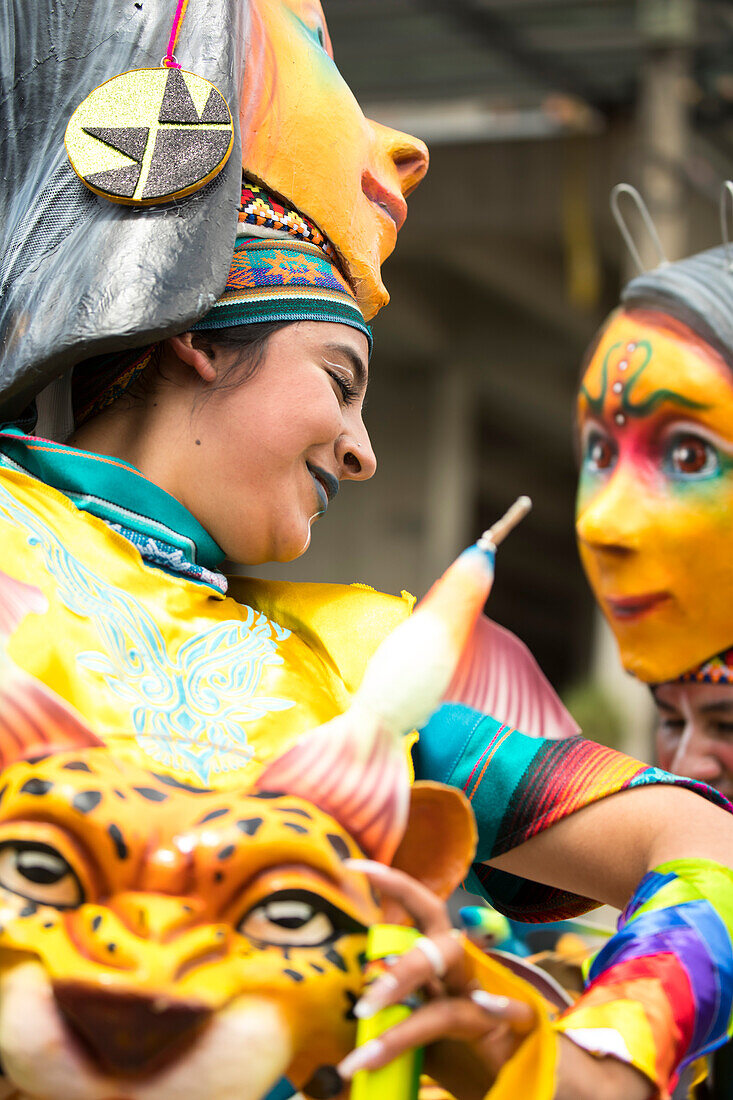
654	515
305	137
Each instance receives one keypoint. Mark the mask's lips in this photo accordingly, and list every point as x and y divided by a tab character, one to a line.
389	202
629	608
268	229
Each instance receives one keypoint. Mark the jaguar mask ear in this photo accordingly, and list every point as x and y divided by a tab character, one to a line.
34	721
438	846
440	837
355	767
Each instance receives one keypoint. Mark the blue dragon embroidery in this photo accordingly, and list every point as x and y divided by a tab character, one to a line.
188	708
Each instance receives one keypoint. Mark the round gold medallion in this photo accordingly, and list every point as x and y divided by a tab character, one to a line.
150	135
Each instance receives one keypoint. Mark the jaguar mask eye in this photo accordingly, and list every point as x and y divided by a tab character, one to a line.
297	918
40	874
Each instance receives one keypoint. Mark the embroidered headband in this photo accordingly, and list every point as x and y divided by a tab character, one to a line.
717	670
283	269
284	280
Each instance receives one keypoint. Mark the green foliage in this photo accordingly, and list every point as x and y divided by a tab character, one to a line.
595	712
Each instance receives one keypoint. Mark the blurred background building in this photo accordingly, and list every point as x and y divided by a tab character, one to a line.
533	110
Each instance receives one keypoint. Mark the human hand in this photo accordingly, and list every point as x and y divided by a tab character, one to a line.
488	1028
468	1033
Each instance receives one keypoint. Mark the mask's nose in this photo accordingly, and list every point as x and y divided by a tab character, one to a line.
615	517
408	154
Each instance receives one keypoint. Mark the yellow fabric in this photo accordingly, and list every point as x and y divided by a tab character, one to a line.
325	617
171	675
641	1050
531	1073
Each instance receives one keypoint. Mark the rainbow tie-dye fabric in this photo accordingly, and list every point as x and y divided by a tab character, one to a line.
661	990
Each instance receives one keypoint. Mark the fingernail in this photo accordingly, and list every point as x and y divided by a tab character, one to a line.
363	865
376	997
361	1058
497	1006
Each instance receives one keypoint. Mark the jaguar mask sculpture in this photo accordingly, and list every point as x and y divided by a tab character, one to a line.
164	940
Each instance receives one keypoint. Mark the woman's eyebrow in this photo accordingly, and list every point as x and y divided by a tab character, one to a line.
354	360
723	706
668	707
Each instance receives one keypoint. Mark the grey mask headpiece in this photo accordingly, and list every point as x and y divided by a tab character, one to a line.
80	276
698	291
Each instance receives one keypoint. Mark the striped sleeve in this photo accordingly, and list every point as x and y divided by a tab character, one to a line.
518	786
660	992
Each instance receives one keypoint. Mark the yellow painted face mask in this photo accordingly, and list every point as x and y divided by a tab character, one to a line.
654	508
302	130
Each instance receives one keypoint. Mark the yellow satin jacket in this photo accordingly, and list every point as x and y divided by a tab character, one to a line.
169	672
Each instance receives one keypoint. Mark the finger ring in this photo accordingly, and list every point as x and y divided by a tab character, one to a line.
433	954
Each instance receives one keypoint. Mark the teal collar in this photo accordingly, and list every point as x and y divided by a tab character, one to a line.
113	491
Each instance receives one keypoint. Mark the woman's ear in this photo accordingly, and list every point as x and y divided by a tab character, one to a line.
196	353
440	838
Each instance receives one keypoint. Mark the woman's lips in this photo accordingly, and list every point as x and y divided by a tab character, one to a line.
326	484
388	201
633	607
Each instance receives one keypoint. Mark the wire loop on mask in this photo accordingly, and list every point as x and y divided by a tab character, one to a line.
641	206
726	192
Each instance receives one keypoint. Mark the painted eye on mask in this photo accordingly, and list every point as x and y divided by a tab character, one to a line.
600	452
690	456
40	874
297	918
313	26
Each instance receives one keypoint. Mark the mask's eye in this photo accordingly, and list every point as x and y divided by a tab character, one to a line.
296	918
690	455
600	451
39	873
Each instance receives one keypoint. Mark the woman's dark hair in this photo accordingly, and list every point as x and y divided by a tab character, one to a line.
247	341
97	382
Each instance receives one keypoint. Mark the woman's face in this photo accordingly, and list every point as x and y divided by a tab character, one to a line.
306	138
695	732
655	499
270	453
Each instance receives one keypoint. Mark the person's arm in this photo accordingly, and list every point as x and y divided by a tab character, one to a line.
661	991
603	850
562	822
476	1040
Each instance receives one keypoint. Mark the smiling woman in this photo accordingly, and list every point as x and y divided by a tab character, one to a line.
270	430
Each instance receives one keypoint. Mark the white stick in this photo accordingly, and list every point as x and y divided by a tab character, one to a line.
499	530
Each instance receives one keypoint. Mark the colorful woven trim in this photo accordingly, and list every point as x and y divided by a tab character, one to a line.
661	990
261	210
718	670
283	281
97	382
284	269
518	786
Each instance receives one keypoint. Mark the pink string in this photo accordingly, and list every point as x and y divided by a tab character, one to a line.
169	61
